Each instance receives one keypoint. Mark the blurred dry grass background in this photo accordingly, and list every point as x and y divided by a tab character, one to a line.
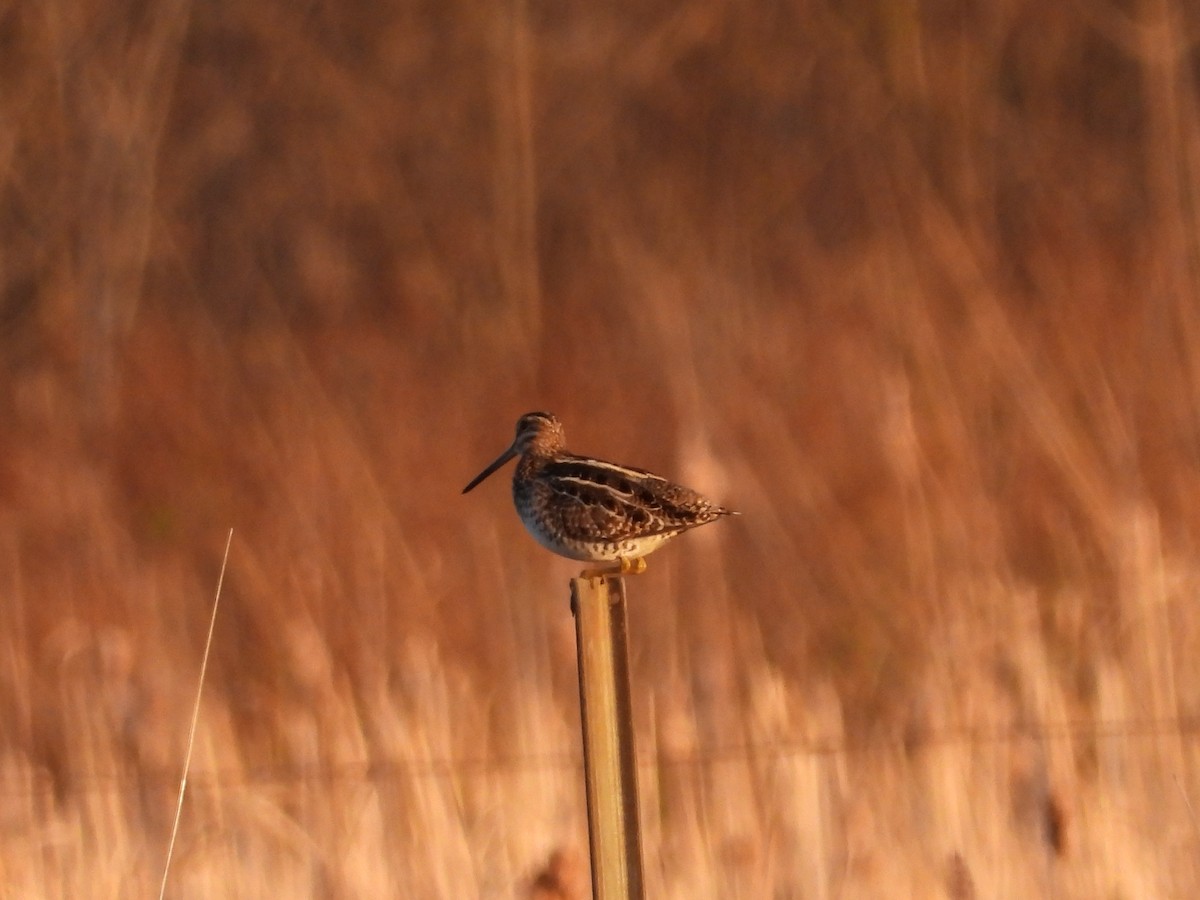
914	285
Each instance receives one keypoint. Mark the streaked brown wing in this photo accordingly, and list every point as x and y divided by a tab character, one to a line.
602	500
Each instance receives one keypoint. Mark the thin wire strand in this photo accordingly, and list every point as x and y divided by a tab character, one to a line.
367	770
187	759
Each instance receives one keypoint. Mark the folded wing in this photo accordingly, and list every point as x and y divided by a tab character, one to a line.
606	501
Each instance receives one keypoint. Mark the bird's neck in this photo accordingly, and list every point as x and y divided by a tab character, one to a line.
531	463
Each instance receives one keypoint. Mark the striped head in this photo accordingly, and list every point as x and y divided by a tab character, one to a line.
538	433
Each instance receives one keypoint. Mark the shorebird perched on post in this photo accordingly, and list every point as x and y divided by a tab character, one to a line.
591	510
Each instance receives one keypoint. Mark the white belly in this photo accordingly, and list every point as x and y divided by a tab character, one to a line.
605	552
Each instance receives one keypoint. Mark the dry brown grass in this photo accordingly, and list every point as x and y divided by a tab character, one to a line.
913	286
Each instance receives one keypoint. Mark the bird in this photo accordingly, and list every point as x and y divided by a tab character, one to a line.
591	510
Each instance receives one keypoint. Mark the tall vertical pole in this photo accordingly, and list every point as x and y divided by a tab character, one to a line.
610	762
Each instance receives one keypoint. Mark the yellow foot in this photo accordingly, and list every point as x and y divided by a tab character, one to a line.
634	566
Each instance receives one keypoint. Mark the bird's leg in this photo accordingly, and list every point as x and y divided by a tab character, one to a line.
635	566
625	566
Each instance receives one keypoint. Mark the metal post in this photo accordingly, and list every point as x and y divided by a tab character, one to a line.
610	763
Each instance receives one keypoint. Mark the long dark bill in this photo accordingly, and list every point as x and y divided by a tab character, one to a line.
500	460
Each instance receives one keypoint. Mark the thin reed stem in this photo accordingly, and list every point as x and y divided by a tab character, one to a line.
187	759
